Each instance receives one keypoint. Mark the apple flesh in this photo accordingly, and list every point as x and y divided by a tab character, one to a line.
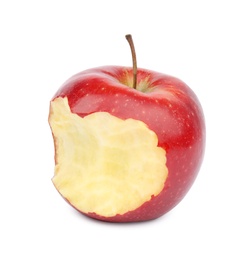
125	154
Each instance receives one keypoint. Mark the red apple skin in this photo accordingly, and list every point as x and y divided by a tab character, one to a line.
170	109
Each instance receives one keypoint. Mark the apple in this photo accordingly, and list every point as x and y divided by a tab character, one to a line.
129	142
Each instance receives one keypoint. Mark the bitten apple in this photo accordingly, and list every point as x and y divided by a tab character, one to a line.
128	143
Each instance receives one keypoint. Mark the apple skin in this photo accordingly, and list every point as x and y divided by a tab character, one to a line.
169	108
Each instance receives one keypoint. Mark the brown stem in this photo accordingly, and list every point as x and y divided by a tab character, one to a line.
134	59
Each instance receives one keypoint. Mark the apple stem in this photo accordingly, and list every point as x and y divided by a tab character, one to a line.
134	59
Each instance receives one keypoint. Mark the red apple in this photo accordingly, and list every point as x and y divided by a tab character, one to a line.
125	153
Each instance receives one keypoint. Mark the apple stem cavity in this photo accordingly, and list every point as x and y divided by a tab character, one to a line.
134	59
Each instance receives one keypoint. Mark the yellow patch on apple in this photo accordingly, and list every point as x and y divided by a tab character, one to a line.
105	165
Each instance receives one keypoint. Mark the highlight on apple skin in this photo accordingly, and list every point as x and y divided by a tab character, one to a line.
128	146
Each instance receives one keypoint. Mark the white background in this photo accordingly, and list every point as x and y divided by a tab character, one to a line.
42	43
